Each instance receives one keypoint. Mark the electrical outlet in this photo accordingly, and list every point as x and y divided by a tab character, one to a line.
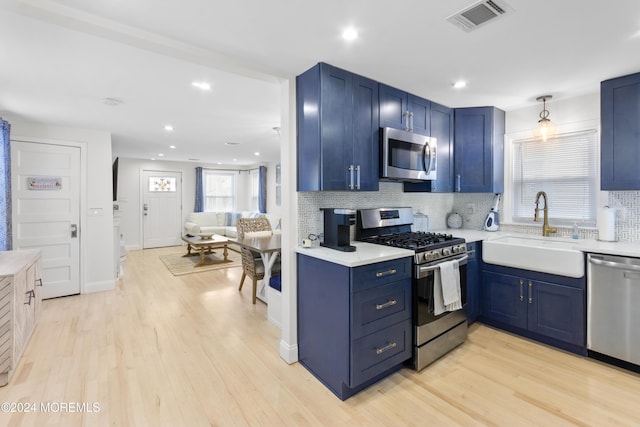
470	208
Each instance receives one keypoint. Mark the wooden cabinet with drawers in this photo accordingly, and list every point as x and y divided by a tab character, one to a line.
20	298
354	323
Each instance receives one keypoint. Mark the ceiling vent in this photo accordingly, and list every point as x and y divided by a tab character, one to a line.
479	14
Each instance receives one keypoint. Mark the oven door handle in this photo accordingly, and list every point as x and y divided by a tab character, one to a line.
422	270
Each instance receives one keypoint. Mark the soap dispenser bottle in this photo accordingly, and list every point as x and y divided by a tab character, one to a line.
575	230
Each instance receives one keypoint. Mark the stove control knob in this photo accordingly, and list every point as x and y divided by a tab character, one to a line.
446	251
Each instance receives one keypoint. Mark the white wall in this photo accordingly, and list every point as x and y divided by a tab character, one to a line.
129	198
564	113
97	231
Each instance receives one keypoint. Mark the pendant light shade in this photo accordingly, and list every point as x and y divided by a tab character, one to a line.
546	129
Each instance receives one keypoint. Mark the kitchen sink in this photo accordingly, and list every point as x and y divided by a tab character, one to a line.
543	254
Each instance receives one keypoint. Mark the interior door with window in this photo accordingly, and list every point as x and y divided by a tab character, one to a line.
161	208
46	211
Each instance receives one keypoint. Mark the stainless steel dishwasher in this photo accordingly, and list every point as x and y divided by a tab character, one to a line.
613	309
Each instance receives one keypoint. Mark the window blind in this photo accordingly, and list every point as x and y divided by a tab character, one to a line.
565	168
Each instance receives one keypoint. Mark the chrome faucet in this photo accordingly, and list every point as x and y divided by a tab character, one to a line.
536	217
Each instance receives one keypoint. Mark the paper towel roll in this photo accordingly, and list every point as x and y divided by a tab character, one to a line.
607	224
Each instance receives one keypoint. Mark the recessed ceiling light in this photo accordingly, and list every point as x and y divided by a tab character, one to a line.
219	163
231	143
235	160
168	128
459	84
173	147
256	153
350	34
201	85
160	155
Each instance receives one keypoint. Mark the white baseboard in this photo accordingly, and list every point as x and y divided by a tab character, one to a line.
107	285
289	353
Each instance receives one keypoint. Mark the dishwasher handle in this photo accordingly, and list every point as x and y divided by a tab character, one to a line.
613	264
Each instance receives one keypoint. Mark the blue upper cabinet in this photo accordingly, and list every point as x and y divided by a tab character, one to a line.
402	110
441	119
338	130
620	140
479	150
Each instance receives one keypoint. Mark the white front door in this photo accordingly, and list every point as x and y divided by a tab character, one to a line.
45	186
161	208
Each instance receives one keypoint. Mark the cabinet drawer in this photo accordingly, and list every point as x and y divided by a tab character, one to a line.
381	273
377	308
380	351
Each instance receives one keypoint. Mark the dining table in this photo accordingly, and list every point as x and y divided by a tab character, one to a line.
268	246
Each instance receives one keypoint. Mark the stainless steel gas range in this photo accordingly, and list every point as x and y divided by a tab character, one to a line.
434	334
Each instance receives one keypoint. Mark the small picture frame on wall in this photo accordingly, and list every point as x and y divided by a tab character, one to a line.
278	176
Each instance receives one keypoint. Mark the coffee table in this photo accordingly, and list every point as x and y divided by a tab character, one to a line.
206	246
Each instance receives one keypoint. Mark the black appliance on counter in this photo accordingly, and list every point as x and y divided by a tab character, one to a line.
337	229
434	335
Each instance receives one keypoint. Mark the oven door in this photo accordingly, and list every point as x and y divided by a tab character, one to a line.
423	293
407	156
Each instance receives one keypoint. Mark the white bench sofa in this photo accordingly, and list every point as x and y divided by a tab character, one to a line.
222	223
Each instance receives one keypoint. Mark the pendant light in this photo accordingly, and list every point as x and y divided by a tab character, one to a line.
546	129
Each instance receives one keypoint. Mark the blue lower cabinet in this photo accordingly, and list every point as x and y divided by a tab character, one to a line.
544	307
354	324
474	280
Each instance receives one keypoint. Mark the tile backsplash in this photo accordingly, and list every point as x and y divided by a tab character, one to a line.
473	207
435	206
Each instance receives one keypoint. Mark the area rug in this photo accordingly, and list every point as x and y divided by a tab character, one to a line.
179	265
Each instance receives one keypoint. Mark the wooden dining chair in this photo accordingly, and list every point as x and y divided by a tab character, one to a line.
252	265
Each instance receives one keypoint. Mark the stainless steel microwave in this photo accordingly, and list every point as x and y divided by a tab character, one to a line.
407	156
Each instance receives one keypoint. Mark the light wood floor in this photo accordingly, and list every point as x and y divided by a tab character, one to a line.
193	351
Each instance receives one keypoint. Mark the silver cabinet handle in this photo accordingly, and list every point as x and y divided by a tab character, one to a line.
411	124
387	347
358	177
458	180
386	273
387	304
351	169
30	295
521	293
530	292
405	115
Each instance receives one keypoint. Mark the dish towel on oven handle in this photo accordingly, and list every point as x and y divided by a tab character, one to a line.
446	288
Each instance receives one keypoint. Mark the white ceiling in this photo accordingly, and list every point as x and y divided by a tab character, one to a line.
61	58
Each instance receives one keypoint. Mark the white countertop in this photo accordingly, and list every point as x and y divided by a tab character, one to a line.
584	245
11	262
366	253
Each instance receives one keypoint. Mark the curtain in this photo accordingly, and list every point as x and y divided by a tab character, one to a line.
262	189
5	186
199	207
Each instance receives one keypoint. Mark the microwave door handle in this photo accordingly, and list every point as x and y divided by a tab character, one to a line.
425	150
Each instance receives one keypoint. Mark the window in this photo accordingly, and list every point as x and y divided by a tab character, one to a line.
255	189
565	168
219	191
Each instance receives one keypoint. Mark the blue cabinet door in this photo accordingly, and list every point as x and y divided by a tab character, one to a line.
442	129
393	108
366	134
402	110
620	139
557	312
503	299
419	114
338	125
479	150
474	281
